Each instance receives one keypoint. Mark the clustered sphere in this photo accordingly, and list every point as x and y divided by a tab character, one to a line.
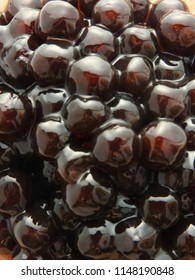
97	130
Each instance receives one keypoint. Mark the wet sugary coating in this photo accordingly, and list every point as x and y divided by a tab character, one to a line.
97	130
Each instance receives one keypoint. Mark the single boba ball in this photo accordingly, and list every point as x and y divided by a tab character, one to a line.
159	207
59	19
163	145
136	73
48	64
96	240
72	161
15	60
14	192
47	100
98	40
112	14
92	195
181	179
141	239
49	137
34	229
85	79
124	107
166	100
116	145
83	114
138	39
16	115
176	32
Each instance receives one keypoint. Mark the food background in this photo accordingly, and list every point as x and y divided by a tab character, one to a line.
190	3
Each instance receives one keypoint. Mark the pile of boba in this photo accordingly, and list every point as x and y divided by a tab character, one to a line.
97	130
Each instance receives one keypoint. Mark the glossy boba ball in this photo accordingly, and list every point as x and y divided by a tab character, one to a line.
98	40
163	145
124	107
14	192
92	195
176	32
116	145
33	229
16	115
166	100
136	73
141	239
15	62
59	19
85	79
97	137
181	179
50	137
160	208
72	162
95	240
49	62
112	14
23	22
83	114
138	39
47	100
